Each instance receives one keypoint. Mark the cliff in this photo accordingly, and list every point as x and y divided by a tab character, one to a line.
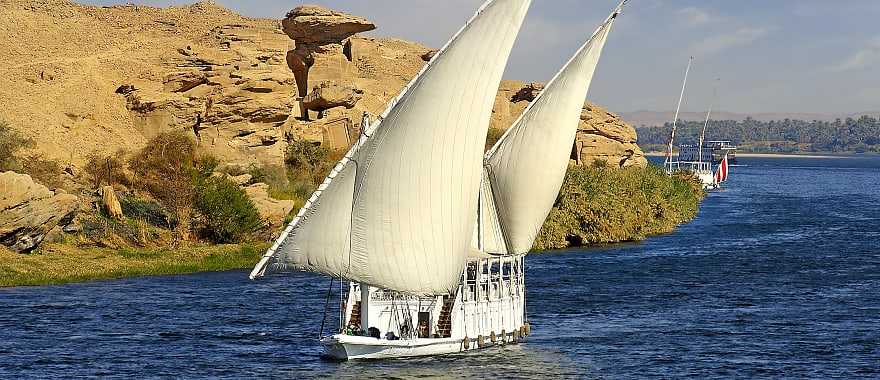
80	79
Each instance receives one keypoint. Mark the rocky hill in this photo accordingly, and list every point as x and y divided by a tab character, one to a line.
80	79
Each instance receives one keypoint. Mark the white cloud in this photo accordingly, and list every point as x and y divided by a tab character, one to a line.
866	57
694	16
715	44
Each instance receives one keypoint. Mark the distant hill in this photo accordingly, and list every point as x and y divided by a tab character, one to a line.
658	118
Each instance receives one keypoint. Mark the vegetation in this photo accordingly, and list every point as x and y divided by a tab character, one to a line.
598	204
785	136
10	144
108	170
63	263
493	136
46	171
227	214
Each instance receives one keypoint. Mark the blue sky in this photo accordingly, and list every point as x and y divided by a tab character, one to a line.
771	56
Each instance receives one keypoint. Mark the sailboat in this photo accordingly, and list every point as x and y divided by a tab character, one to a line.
722	172
430	232
690	158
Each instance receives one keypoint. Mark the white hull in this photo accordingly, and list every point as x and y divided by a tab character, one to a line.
487	310
345	347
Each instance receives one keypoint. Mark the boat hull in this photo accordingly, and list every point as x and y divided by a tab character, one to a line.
345	347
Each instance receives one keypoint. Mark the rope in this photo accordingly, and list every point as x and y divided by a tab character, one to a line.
326	308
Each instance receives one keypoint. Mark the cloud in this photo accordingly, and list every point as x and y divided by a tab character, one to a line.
715	44
694	16
866	57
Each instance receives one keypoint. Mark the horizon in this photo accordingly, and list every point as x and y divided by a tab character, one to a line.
793	64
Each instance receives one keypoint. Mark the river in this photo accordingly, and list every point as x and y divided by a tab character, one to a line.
779	276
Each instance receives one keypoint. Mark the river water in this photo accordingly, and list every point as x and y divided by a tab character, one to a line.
778	277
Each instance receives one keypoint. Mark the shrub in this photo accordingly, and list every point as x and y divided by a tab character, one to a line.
493	136
165	168
109	169
143	209
226	213
599	204
308	161
11	142
43	170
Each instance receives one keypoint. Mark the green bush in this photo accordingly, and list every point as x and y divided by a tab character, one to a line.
599	204
308	161
226	214
166	169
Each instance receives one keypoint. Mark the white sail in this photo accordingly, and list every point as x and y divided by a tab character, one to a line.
396	212
527	165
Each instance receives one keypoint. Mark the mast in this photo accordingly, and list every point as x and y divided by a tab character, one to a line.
706	124
675	118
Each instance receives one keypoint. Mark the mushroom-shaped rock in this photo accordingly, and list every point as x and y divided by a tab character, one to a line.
312	24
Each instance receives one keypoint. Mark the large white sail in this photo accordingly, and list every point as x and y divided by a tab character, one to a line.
396	212
527	165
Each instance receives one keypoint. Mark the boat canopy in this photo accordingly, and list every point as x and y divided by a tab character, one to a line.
396	211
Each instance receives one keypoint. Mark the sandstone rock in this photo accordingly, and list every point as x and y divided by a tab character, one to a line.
329	95
184	81
111	203
28	211
272	210
311	24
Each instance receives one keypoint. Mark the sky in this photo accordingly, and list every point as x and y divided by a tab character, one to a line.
818	56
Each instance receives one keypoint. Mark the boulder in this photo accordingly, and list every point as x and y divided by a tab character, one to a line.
29	210
272	210
311	24
329	95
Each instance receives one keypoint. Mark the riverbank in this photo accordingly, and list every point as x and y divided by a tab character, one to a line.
599	205
65	263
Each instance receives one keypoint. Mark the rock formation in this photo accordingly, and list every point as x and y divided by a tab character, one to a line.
321	37
120	75
29	210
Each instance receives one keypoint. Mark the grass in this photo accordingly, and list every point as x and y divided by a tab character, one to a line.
604	205
64	263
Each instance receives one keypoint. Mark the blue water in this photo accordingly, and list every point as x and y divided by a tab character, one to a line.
778	277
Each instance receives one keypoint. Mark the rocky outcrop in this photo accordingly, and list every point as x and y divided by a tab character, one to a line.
29	210
321	37
328	95
273	211
601	135
312	24
605	137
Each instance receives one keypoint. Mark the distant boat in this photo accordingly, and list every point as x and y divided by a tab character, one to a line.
721	172
433	248
694	159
